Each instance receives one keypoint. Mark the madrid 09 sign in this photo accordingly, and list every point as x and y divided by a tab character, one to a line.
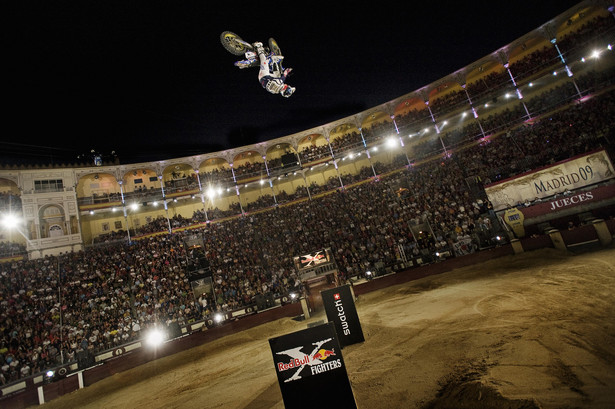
309	362
340	309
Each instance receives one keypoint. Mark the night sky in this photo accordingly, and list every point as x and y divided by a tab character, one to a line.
150	79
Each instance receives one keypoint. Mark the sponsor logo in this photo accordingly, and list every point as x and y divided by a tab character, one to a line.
341	315
309	260
319	361
326	366
323	354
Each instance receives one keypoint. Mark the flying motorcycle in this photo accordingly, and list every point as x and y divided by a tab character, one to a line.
272	75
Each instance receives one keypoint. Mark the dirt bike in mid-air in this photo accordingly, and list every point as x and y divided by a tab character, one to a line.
272	75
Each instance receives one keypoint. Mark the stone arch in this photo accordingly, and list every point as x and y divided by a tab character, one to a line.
345	137
485	74
179	177
446	96
578	16
375	126
140	180
527	46
313	148
52	221
10	196
100	187
280	157
411	115
249	165
215	173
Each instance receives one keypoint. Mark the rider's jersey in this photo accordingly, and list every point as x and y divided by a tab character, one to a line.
270	74
271	66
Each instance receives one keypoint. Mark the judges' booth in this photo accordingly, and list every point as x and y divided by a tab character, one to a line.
318	272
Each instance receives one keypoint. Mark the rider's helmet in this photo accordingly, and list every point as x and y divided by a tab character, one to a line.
250	55
287	91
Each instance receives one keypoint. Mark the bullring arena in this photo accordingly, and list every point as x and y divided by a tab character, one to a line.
480	253
521	331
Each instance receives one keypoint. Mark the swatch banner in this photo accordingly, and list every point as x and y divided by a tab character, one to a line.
564	176
311	371
340	309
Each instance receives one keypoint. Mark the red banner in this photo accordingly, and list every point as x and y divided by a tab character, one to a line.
562	202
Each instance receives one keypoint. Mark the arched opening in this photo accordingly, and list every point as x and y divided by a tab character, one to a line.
52	221
249	166
98	188
313	148
344	138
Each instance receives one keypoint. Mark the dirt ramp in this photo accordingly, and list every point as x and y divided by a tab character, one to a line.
461	394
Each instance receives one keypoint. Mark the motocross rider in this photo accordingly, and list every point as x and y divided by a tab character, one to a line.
270	74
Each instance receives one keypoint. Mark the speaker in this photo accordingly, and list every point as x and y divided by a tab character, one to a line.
289	159
261	302
270	300
85	359
174	330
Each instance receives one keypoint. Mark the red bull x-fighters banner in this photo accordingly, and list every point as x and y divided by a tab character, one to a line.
309	362
340	309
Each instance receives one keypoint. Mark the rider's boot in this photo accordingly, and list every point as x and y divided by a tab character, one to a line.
259	48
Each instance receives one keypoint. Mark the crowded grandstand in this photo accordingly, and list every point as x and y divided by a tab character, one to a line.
120	250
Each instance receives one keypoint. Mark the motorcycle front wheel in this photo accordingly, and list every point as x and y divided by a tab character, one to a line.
233	43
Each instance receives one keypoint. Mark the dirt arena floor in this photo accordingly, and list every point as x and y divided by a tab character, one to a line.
535	330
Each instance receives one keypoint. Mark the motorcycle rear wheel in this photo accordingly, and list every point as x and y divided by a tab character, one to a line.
274	47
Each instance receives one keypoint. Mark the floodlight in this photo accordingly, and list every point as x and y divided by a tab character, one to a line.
10	221
155	338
